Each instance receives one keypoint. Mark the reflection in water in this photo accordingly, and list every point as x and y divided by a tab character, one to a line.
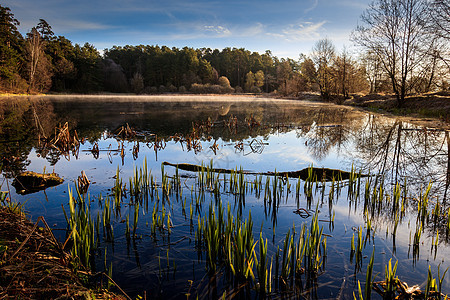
117	134
393	148
399	150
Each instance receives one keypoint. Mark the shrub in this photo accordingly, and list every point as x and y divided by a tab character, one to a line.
198	88
172	89
255	90
162	89
223	81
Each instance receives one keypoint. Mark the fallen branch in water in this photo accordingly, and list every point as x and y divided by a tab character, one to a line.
319	173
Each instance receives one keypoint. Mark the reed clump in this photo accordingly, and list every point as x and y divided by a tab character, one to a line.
81	228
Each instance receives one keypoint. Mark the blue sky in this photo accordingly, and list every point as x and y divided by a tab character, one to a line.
286	27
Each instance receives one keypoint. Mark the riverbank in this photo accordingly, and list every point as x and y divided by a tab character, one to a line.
433	105
431	109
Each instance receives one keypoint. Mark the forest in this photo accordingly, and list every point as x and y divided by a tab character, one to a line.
403	50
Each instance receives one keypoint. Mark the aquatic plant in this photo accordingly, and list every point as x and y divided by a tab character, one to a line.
81	229
390	279
261	267
369	279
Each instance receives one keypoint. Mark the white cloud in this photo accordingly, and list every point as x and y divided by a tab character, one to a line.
217	30
314	5
362	5
300	32
76	25
254	30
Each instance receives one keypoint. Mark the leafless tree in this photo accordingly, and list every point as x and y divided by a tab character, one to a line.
439	25
39	74
34	47
323	54
395	31
349	75
440	13
373	68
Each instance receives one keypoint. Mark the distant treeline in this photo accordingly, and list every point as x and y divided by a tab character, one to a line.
42	62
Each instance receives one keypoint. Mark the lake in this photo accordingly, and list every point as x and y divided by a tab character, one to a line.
182	188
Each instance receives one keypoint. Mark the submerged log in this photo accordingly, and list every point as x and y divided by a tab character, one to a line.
319	173
196	168
31	182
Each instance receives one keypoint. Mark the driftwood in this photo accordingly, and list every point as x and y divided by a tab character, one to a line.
30	182
319	173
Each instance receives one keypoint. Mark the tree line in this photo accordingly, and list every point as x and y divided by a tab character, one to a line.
403	50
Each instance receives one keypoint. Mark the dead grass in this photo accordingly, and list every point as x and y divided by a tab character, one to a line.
33	264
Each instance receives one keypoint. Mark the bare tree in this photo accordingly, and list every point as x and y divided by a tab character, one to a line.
439	25
323	54
440	13
374	72
34	48
395	31
342	66
39	73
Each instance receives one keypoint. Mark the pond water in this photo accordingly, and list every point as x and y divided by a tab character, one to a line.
407	222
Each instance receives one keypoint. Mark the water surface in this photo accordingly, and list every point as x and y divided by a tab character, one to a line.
255	134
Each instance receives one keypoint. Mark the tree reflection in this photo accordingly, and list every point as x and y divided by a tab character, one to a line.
396	150
16	135
393	148
330	128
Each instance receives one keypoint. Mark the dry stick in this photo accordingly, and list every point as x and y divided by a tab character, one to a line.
110	279
68	238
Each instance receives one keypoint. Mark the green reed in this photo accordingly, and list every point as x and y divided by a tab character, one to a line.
288	253
118	189
359	248
360	294
308	185
261	267
390	279
369	279
13	207
297	190
81	228
212	231
422	206
314	241
396	198
240	250
352	180
431	286
106	217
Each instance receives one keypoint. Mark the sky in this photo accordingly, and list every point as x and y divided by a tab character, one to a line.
285	27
